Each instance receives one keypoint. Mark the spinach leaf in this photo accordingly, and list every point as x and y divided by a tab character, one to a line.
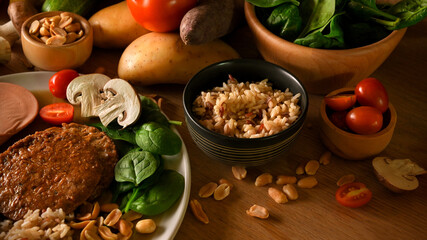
315	14
161	196
410	12
357	34
285	21
271	3
116	132
136	166
150	112
119	188
367	10
334	39
157	138
147	102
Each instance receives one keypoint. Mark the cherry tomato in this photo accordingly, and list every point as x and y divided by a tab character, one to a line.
338	119
160	15
340	102
58	83
353	195
57	113
364	120
370	92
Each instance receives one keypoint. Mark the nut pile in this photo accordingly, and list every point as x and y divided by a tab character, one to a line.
56	30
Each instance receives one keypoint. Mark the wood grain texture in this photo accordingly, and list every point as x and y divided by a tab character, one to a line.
316	214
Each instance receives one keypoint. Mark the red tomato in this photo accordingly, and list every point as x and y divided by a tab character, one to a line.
340	102
353	195
370	92
364	120
338	119
58	83
57	113
160	15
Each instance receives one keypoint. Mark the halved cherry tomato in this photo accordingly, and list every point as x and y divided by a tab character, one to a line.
341	102
338	119
364	120
370	92
58	83
353	195
57	113
160	15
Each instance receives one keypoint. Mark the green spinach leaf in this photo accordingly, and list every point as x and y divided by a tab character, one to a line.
271	3
285	21
136	166
157	138
315	14
410	12
161	196
116	132
119	188
366	10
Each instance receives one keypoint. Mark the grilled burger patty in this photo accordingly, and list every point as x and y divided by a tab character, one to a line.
56	168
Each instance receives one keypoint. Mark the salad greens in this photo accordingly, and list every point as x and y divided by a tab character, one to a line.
141	182
337	24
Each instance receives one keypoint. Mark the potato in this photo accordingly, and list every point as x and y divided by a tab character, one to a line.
114	27
159	58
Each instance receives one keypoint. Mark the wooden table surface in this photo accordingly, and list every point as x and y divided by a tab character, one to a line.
316	214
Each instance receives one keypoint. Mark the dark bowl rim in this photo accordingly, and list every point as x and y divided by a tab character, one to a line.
292	128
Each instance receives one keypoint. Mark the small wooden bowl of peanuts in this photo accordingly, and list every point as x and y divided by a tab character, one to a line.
57	40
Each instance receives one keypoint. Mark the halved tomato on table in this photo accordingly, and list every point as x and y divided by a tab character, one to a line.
340	102
57	113
353	195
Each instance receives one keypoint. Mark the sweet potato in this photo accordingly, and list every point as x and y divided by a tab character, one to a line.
114	27
209	20
159	58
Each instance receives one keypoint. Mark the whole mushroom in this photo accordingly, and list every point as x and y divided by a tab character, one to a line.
398	175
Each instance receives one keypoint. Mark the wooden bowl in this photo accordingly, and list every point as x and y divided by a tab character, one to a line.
353	146
54	58
321	70
242	151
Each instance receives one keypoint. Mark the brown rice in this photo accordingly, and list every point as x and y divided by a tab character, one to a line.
48	225
247	110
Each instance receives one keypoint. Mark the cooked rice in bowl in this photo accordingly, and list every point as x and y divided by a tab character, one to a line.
47	225
246	110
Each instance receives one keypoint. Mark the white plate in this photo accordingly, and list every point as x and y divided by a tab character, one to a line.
168	222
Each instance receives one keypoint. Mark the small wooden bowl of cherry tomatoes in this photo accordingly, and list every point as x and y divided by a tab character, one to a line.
357	123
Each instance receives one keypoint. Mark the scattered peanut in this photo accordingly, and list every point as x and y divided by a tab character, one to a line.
307	182
145	226
57	30
325	158
131	216
125	227
108	207
239	172
277	195
311	167
113	217
225	181
207	190
300	169
263	179
258	211
198	212
283	179
349	178
79	225
222	191
106	233
290	191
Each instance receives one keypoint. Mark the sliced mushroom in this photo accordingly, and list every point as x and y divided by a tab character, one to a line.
122	102
86	90
398	175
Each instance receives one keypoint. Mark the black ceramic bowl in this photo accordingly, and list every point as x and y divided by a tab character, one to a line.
242	151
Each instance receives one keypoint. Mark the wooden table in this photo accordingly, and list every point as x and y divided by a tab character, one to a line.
316	214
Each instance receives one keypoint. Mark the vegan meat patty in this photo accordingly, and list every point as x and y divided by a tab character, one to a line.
56	168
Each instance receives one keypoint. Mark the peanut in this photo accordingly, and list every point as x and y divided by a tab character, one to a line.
225	181
108	207
311	167
198	212
106	233
325	158
277	195
125	227
113	217
290	191
300	169
283	179
95	211
145	226
79	225
307	182
239	172
222	191
258	212
207	190
131	216
263	179
349	178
